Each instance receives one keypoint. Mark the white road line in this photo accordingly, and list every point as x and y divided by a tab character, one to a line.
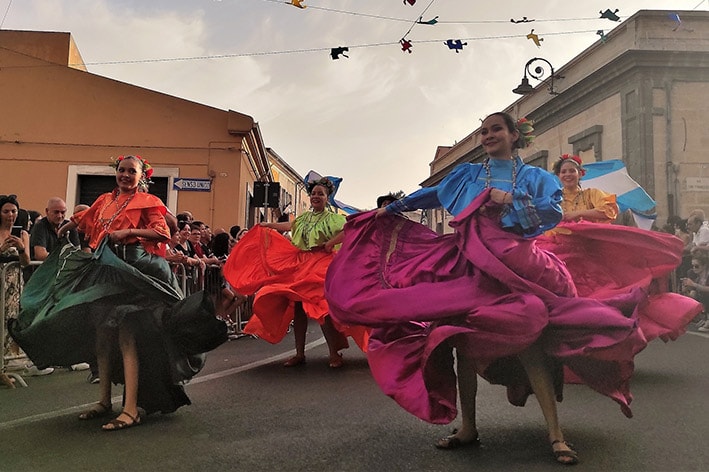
204	378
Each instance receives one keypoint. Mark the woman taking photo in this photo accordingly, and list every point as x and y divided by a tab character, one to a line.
14	247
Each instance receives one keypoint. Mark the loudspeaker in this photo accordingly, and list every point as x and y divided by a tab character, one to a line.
266	190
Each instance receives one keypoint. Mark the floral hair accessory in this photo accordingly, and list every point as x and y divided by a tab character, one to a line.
325	182
146	167
526	128
569	157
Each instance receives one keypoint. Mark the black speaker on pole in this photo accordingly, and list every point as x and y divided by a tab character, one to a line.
266	194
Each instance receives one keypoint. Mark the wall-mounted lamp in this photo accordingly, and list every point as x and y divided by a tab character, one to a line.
537	73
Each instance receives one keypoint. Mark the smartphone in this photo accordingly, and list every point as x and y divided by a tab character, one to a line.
16	231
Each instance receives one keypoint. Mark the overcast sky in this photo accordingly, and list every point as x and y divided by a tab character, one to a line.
375	118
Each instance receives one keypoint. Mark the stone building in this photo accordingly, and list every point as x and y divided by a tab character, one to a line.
640	95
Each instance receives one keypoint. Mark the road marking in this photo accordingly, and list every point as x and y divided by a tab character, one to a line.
118	399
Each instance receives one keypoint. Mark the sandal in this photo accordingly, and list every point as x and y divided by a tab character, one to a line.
565	457
454	442
116	424
94	412
336	362
294	361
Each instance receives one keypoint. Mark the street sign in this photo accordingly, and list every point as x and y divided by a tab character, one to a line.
195	185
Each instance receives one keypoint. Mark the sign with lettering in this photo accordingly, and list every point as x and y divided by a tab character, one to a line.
195	185
697	184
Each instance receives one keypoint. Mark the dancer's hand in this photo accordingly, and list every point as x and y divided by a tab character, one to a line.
380	212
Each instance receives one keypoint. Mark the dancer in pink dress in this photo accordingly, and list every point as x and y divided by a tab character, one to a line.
509	310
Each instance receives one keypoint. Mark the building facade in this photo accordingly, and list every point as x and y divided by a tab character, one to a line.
61	126
638	95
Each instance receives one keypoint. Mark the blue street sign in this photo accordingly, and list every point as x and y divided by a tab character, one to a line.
195	185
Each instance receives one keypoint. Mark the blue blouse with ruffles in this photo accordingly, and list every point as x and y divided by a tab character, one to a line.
536	200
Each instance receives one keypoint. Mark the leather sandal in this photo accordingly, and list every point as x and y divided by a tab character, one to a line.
336	362
116	424
454	442
294	361
99	410
565	457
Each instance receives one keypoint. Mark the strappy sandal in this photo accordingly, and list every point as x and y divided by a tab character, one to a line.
454	442
565	457
294	361
336	362
100	412
116	424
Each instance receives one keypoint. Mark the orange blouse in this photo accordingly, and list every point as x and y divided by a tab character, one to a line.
114	211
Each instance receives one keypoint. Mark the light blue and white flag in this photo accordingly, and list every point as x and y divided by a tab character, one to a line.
312	176
612	177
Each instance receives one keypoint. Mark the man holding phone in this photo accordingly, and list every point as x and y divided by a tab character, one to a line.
43	237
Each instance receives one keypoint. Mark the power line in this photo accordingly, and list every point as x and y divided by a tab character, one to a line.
292	51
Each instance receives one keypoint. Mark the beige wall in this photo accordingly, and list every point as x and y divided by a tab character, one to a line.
58	121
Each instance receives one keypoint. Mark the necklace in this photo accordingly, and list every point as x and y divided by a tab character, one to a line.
106	223
488	173
573	204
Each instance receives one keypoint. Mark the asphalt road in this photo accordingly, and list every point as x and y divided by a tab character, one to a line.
249	413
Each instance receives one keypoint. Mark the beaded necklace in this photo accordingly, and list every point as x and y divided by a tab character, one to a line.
106	223
576	201
488	173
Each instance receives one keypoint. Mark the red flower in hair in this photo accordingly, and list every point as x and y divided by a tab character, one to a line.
573	157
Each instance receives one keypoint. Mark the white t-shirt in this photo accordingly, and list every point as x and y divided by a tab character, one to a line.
701	237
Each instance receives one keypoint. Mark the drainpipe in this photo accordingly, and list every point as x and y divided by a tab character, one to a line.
671	169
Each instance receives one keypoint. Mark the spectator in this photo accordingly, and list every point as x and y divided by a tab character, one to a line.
384	200
699	228
696	285
14	246
43	237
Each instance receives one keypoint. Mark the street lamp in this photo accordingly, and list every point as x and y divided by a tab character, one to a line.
537	73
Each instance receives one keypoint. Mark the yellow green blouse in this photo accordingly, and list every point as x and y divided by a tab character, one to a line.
312	229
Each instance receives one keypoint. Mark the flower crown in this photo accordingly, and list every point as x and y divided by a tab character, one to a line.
574	158
526	128
146	167
325	182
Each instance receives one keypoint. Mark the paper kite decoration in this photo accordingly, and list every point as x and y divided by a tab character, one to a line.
297	3
456	45
537	40
432	21
406	45
410	2
335	53
610	15
523	20
602	35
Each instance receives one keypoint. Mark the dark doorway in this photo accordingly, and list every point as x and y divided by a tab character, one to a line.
91	186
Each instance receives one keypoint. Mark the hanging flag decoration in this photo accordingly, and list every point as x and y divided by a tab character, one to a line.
610	15
612	177
602	35
410	2
523	20
432	21
537	40
406	45
335	53
455	44
297	3
678	22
